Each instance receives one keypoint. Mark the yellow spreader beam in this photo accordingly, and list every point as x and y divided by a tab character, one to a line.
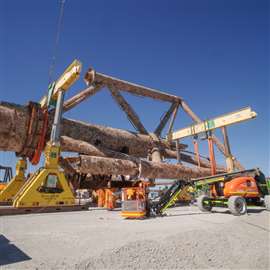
218	122
65	81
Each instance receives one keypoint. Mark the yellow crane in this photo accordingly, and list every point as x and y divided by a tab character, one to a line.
48	187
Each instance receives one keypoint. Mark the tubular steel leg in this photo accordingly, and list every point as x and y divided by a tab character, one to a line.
178	153
212	155
55	134
196	150
228	153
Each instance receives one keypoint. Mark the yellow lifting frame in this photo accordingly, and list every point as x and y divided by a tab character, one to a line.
12	188
48	186
36	191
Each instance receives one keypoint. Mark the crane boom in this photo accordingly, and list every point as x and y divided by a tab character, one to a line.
218	122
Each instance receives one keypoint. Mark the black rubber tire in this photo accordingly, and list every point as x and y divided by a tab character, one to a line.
237	205
201	203
267	202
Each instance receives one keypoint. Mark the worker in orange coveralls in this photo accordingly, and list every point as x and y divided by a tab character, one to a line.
110	198
101	197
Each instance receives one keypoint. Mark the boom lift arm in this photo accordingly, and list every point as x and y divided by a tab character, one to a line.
168	198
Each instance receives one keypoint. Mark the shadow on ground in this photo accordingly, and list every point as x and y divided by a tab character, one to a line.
185	214
254	211
9	253
250	211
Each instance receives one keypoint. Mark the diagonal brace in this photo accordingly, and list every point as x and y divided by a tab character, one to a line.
81	96
165	119
126	107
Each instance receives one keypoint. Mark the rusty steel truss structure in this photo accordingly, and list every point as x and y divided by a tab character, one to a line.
104	151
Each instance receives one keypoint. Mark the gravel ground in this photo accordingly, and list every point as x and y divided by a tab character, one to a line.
98	239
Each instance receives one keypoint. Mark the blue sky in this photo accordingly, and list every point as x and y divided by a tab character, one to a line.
214	54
